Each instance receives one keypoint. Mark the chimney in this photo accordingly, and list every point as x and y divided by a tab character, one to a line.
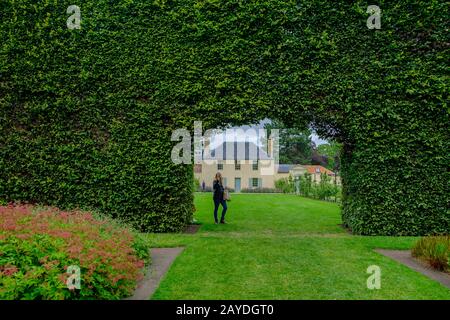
269	146
206	145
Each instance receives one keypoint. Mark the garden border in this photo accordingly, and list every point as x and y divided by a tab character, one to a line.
162	259
405	258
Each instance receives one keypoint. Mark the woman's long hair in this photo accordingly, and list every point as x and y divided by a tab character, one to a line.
218	177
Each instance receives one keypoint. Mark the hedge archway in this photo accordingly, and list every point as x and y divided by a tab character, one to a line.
86	114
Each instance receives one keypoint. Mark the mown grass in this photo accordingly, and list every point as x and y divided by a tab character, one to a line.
284	247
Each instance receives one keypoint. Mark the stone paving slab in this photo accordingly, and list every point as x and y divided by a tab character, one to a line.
405	258
162	259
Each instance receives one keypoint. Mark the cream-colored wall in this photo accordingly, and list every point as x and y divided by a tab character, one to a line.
279	176
245	173
316	178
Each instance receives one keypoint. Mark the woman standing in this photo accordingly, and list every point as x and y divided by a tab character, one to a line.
219	197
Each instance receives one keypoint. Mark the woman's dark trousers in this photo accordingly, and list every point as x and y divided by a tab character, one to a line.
217	202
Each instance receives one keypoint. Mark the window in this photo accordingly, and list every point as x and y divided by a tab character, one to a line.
255	165
255	182
225	182
237	166
220	166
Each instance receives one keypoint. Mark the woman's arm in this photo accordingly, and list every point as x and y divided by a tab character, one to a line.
216	188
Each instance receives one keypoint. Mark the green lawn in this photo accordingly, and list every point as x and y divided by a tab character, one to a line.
284	247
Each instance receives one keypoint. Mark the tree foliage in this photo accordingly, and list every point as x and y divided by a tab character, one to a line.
331	151
295	146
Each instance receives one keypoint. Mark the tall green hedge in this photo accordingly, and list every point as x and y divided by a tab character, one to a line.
86	115
79	125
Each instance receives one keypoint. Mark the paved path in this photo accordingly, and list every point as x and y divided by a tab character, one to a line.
404	257
162	259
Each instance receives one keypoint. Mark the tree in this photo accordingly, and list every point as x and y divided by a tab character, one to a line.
306	184
331	152
317	158
295	144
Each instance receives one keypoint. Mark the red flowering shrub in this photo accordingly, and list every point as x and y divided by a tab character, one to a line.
37	245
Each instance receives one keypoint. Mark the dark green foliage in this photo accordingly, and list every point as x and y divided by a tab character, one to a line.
331	151
86	115
78	127
295	146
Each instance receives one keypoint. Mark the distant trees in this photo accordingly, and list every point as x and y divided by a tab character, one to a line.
331	152
295	145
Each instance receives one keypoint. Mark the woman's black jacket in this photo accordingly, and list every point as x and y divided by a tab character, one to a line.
218	191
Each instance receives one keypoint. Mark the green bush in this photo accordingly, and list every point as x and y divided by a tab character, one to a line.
197	185
306	185
86	115
324	190
435	250
38	245
285	185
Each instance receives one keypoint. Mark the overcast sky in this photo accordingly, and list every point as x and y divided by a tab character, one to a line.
235	135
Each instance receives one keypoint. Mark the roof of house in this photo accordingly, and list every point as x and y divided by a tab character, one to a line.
287	168
313	169
284	168
237	150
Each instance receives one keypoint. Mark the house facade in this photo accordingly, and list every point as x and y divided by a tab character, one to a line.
316	171
244	165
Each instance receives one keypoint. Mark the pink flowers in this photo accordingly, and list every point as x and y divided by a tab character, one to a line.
74	251
140	264
65	234
63	278
62	238
9	225
8	270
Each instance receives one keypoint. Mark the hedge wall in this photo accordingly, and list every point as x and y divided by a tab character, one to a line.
86	115
79	126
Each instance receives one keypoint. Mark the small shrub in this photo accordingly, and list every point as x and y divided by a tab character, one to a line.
197	184
324	190
435	250
285	185
38	244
